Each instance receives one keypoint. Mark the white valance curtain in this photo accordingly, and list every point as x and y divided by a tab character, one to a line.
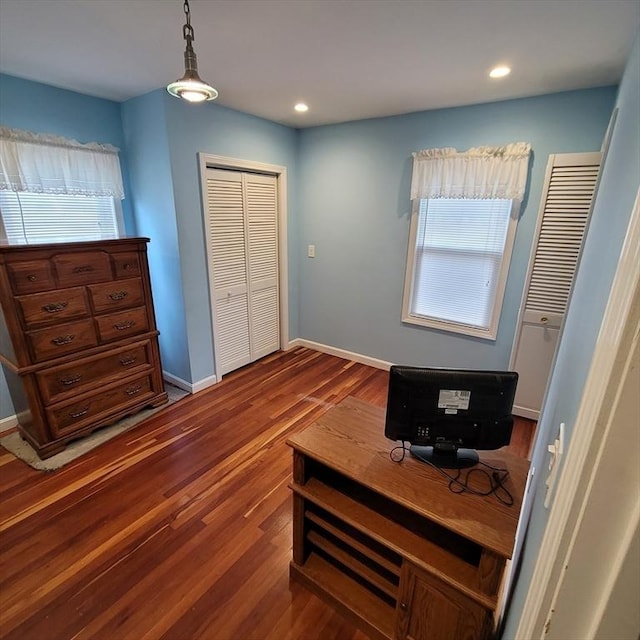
481	172
42	163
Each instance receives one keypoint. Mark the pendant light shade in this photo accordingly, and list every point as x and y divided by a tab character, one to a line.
191	87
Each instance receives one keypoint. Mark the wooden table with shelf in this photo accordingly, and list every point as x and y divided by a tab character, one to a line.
388	544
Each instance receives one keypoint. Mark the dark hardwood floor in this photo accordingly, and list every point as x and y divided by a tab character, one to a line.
180	528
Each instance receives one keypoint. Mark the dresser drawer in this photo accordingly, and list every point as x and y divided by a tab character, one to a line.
116	295
75	415
31	276
53	306
126	265
83	267
58	383
122	324
61	339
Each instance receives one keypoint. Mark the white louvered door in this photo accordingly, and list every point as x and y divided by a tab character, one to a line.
261	206
241	217
565	208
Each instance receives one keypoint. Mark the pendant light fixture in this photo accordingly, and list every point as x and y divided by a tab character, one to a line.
191	87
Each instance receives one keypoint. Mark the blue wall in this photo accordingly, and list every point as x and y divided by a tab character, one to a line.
220	131
43	109
144	122
609	221
182	131
354	206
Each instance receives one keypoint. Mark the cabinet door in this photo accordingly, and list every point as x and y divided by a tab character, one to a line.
429	608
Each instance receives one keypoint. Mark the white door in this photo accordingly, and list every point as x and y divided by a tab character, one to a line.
565	206
241	213
261	205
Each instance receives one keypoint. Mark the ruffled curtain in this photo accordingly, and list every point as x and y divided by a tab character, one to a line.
481	172
42	163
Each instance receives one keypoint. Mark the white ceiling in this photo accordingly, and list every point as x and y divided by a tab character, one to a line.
349	59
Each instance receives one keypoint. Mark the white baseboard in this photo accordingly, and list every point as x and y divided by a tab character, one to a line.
531	414
191	387
341	353
8	423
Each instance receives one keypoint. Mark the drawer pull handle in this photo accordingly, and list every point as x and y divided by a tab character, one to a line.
126	361
79	413
83	268
118	295
403	606
60	340
129	265
121	326
68	381
55	307
131	391
32	278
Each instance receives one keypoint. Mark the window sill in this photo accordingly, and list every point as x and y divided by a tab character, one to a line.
475	332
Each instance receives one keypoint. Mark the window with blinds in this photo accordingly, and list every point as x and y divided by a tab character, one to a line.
32	218
458	260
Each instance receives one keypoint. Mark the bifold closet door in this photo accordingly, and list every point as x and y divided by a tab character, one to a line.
242	237
565	207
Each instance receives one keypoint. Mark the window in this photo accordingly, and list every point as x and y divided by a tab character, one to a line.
457	264
29	218
53	189
465	207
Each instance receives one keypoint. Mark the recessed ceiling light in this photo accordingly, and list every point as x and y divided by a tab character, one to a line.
301	107
499	72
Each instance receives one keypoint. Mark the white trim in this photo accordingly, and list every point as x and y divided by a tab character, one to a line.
208	160
341	353
489	333
8	423
191	387
585	440
523	412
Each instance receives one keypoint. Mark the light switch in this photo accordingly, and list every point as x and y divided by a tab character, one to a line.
311	251
556	450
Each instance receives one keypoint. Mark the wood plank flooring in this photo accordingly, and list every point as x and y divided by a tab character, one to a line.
180	528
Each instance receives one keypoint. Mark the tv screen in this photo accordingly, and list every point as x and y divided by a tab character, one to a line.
446	414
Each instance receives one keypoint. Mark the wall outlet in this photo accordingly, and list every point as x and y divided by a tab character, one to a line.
311	251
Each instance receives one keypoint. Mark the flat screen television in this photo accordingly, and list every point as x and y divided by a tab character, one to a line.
447	414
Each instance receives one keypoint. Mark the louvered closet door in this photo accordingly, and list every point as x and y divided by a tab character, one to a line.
228	269
570	185
261	200
242	236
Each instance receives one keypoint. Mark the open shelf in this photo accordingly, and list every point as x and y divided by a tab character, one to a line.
347	595
418	548
389	545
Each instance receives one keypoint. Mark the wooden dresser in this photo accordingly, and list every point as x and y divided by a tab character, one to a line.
78	338
388	544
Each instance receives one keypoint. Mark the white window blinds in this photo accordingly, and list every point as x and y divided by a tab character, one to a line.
32	218
459	248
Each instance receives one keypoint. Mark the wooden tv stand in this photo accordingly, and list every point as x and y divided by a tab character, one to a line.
387	543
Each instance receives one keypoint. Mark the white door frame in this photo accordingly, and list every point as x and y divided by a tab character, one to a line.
210	161
584	461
